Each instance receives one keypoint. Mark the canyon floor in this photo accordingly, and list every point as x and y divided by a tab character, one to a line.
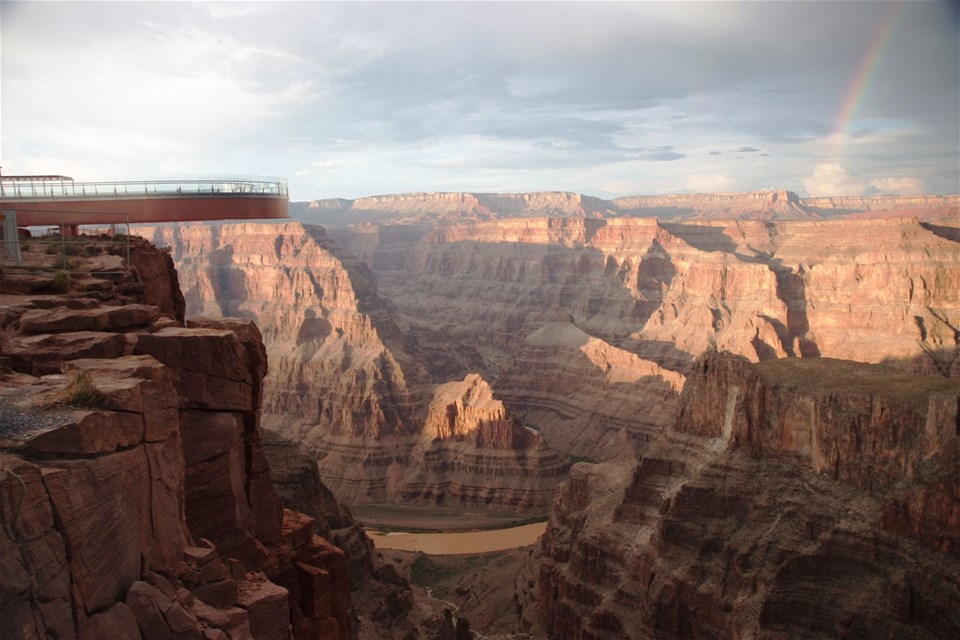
478	587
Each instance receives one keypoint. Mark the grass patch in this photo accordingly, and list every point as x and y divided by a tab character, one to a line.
73	249
425	572
82	393
64	263
62	282
428	572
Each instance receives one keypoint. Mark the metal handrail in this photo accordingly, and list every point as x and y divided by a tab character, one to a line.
53	189
62	240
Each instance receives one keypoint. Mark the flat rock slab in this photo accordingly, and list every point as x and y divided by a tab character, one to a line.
97	319
211	367
43	354
269	610
90	432
93	284
24	283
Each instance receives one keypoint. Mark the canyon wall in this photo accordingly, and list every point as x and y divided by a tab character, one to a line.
135	498
346	382
586	328
420	208
838	204
791	498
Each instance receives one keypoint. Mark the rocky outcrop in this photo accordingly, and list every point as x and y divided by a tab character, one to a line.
135	497
473	454
382	599
847	204
791	498
410	208
764	205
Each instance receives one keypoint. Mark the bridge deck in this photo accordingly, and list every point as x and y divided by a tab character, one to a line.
59	202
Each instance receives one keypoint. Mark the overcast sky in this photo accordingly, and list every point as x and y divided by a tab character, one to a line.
353	99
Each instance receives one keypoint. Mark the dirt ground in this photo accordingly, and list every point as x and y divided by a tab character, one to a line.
495	591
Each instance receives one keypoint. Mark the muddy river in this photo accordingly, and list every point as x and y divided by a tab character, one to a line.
460	542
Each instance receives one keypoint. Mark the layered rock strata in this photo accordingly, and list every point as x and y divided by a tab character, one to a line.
418	208
792	498
473	454
345	381
597	307
135	498
658	294
845	204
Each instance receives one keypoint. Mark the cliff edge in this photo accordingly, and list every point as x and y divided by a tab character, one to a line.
135	497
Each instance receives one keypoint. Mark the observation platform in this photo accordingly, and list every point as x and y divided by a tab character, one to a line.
59	200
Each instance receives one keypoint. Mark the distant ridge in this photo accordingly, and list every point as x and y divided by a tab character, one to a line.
411	208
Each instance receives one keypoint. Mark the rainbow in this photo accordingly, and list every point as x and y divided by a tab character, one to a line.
868	63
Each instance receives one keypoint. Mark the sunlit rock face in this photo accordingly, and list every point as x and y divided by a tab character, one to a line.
409	208
343	381
880	203
586	328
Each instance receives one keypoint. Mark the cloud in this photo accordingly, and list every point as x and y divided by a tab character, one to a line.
464	94
836	180
899	185
833	179
706	183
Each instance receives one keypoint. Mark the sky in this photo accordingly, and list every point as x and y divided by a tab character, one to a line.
353	99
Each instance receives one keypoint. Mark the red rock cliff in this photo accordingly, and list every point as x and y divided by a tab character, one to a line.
135	497
346	382
791	498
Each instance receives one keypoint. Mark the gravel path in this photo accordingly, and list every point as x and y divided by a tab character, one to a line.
16	422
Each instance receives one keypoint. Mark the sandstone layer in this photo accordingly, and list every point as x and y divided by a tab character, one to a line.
584	327
345	381
421	208
567	317
791	498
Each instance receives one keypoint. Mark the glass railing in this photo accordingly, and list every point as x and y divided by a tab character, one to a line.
22	189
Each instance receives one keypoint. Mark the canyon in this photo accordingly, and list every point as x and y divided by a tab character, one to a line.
583	328
139	497
739	425
790	498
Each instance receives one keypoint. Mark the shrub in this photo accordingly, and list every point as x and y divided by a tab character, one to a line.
65	264
62	282
82	392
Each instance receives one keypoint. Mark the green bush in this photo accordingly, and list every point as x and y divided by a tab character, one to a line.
62	282
65	264
82	392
